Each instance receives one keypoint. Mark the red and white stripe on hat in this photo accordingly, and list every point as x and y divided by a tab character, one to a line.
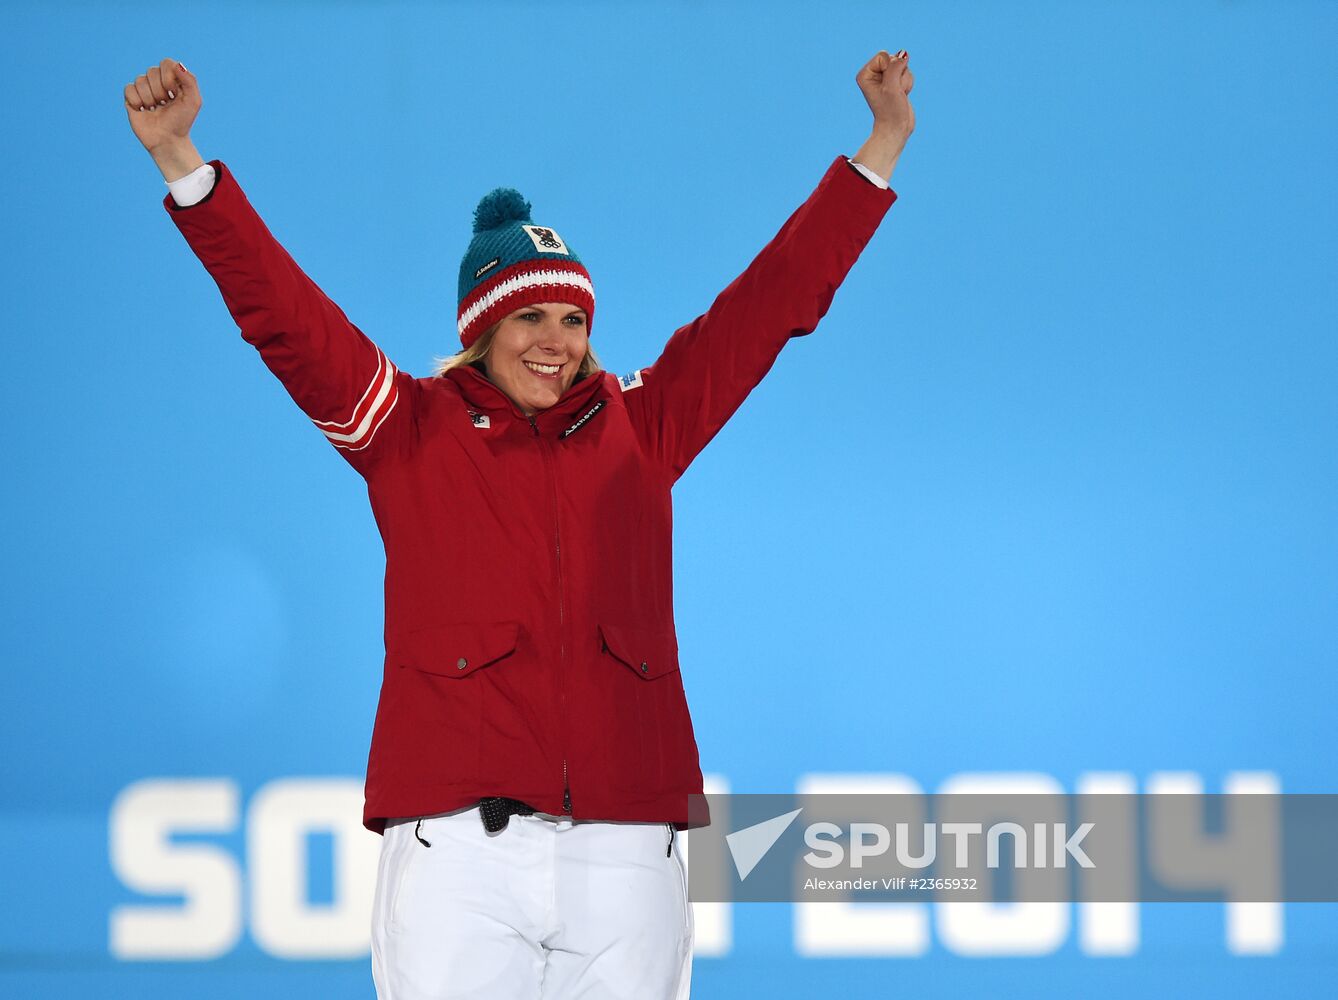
521	284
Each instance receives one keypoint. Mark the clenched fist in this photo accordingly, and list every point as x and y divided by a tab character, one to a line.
162	105
886	82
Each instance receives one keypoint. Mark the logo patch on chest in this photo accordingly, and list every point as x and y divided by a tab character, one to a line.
582	419
480	419
546	240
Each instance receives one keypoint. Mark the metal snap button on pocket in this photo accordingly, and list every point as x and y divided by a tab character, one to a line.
644	667
461	663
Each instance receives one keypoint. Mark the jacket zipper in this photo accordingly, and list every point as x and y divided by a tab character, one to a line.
562	612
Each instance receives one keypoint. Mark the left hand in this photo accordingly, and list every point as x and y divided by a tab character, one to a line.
886	82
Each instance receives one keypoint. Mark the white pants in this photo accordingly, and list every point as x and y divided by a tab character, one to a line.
546	908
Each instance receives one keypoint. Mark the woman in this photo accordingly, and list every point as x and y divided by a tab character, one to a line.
532	755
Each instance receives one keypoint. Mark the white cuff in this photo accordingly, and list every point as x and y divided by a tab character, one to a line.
194	186
873	178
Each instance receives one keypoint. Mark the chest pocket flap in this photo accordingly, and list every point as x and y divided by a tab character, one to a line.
457	650
648	654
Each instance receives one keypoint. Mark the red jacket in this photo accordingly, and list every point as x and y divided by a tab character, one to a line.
530	645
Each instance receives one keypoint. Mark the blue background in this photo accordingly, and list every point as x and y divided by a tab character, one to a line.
1051	489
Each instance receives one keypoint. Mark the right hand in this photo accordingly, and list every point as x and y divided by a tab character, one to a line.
162	104
886	81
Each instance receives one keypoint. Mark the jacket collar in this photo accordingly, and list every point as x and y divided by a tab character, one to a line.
484	396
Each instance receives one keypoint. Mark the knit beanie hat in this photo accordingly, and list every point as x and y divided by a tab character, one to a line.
511	262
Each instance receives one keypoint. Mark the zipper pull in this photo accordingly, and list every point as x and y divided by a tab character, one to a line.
533	425
566	800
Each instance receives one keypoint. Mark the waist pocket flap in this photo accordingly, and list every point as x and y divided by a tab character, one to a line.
648	654
458	650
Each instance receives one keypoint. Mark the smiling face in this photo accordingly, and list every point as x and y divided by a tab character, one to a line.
536	353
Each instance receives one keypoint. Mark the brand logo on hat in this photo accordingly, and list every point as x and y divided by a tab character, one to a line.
546	240
487	267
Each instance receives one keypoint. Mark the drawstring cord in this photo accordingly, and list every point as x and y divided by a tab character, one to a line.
419	835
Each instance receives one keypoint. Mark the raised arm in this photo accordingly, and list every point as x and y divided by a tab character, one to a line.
709	366
336	374
886	83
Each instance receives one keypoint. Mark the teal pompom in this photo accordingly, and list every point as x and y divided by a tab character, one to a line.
500	206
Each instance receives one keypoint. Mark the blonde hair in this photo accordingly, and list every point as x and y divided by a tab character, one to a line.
478	350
